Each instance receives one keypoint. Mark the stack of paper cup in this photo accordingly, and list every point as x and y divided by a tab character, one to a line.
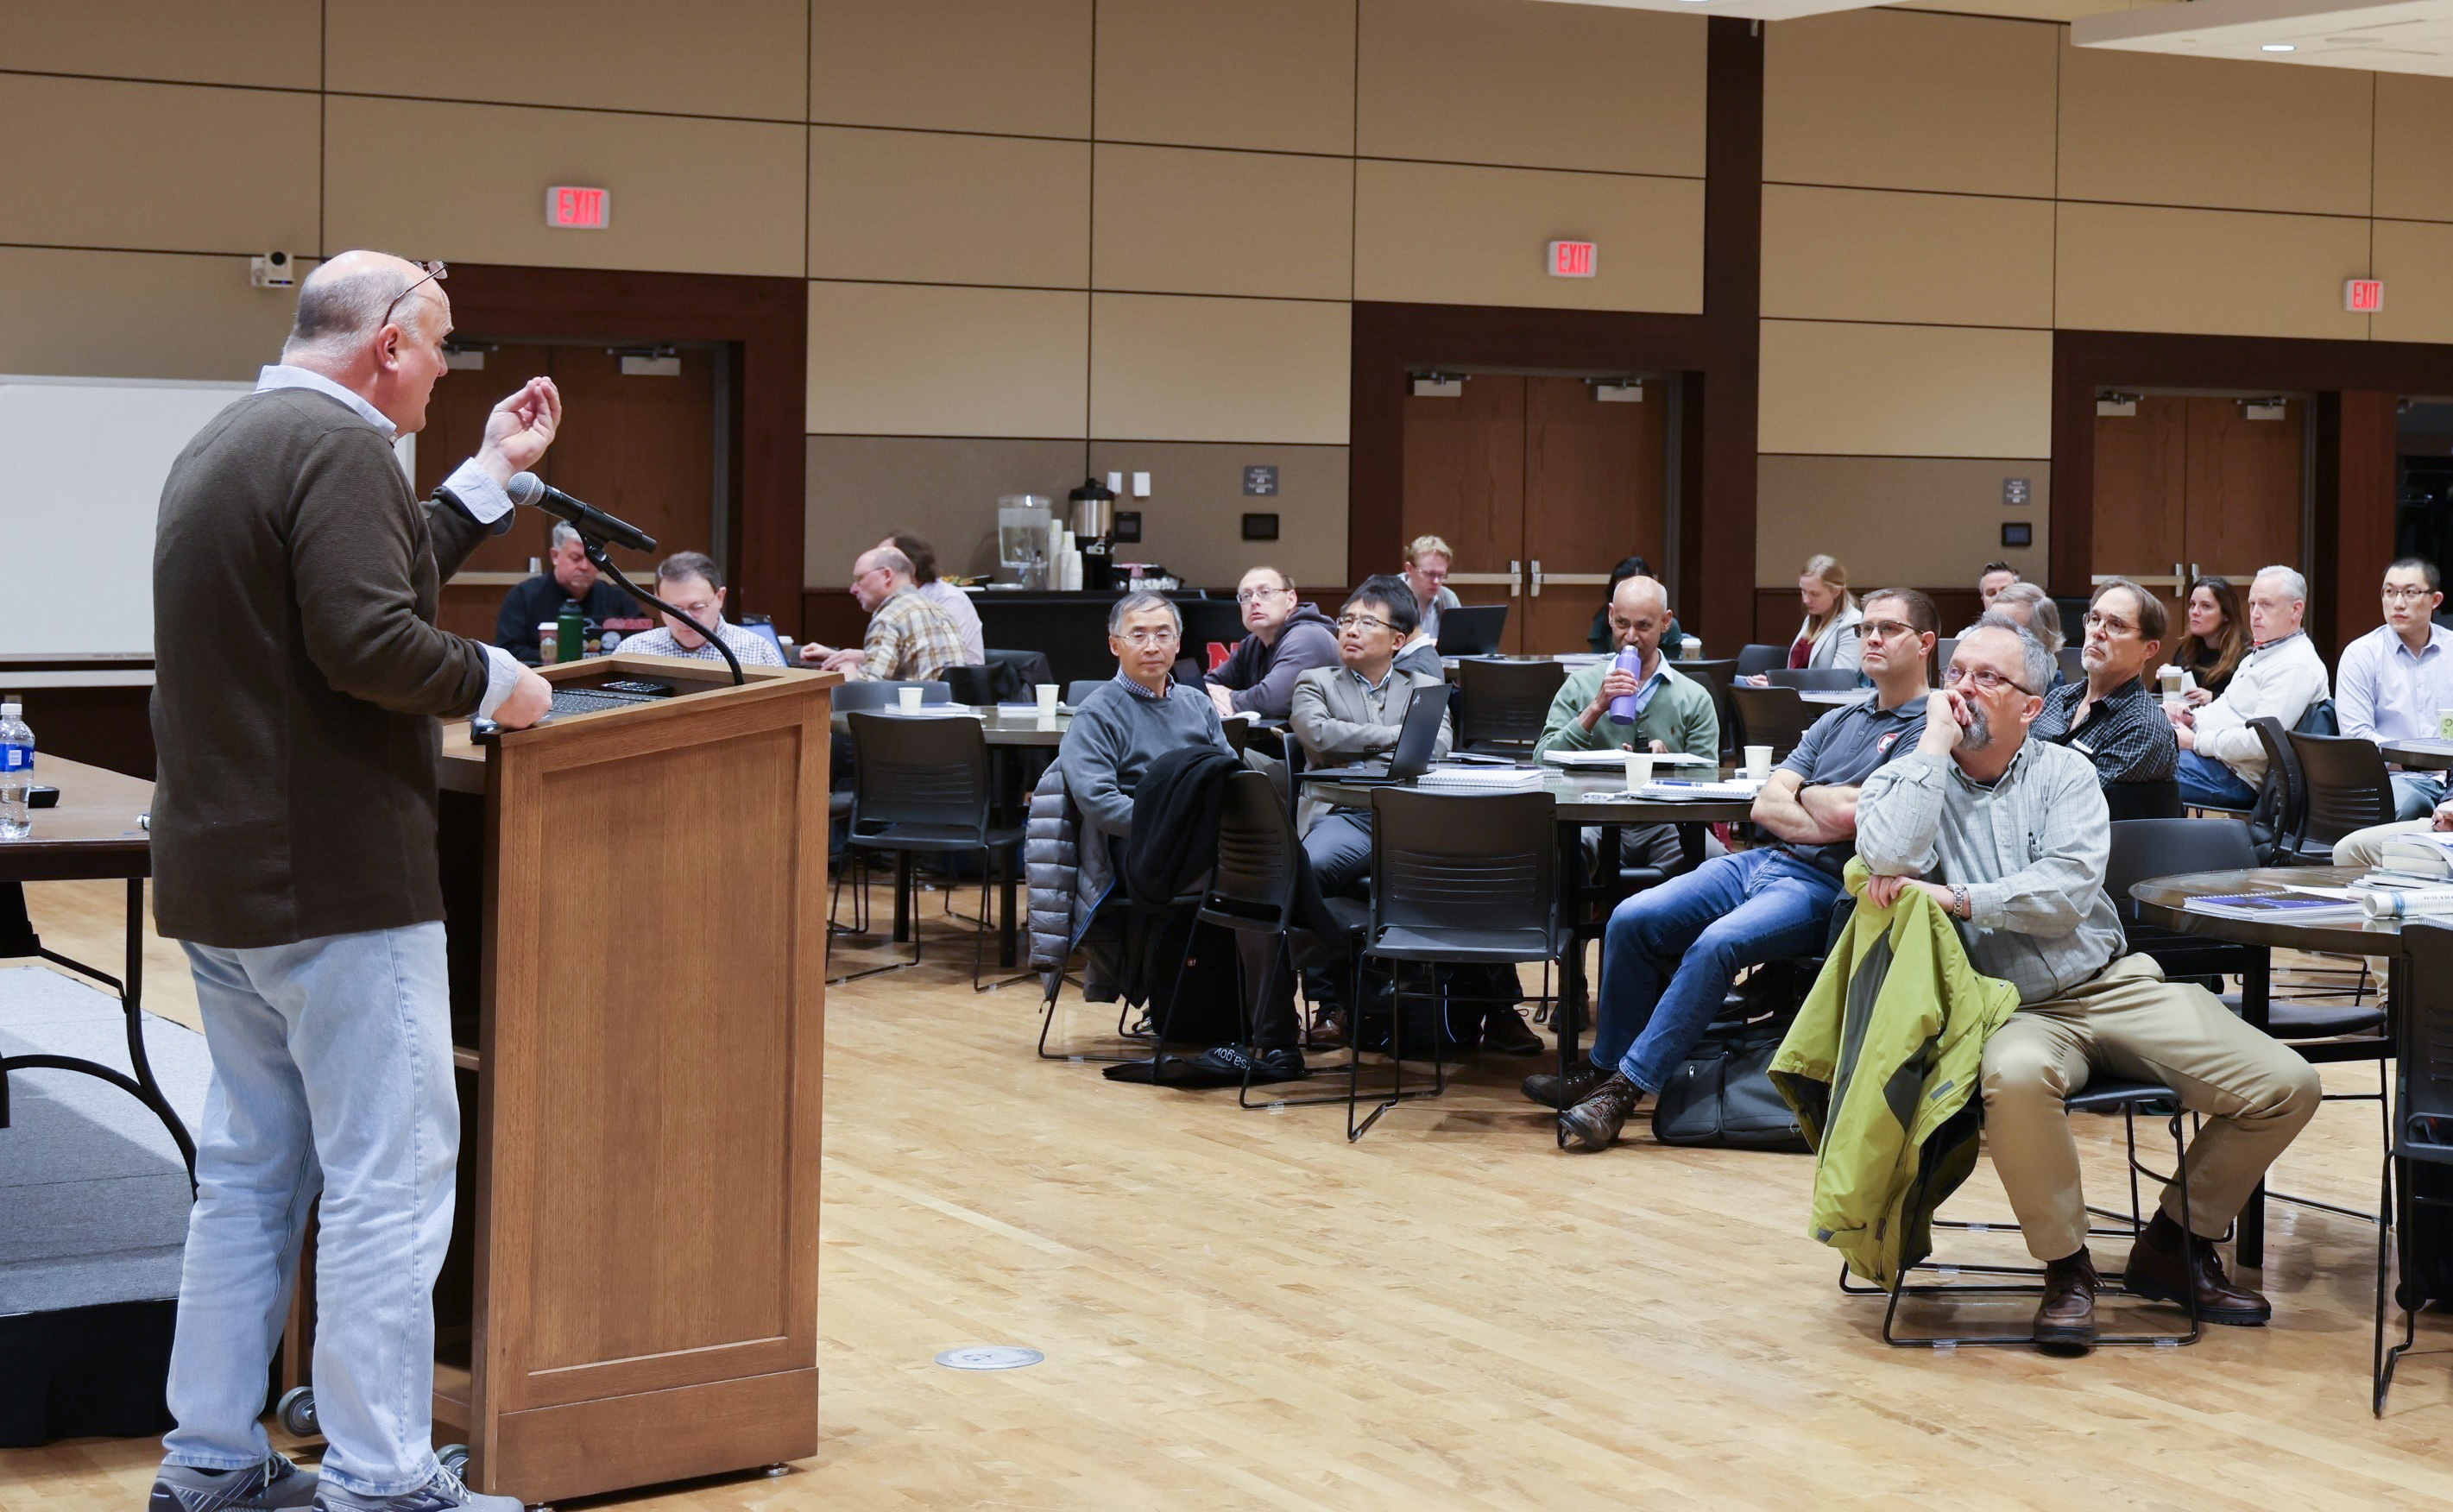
1639	770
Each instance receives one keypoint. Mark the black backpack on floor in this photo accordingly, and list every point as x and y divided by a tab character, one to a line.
1722	1096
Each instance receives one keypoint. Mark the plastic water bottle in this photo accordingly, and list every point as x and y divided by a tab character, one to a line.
1622	710
16	772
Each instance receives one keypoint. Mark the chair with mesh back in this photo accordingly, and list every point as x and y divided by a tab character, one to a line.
1771	716
2420	1132
1456	880
1505	703
2343	787
1815	679
1753	660
921	787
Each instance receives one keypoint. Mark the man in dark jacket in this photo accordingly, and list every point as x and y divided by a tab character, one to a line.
294	858
1288	639
569	578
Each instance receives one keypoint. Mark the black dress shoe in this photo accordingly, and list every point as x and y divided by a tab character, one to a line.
1504	1030
2171	1274
2066	1317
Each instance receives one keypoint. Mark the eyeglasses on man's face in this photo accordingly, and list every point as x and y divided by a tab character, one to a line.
2396	593
2110	624
1887	629
1985	679
1363	622
1249	595
1146	637
434	270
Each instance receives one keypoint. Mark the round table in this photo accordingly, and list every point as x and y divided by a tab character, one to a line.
2164	900
2419	755
1018	726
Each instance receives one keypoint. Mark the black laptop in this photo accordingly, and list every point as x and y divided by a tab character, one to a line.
1416	739
1473	629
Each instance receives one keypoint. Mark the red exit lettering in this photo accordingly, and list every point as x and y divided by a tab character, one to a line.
573	208
2363	296
1572	259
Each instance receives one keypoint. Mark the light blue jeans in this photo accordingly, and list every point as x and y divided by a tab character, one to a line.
332	1073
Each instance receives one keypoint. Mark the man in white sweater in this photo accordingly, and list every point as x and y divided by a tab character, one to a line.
2222	760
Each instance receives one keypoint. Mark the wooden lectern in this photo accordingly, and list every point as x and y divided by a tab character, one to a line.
638	936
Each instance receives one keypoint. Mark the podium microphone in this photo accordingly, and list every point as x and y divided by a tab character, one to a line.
527	487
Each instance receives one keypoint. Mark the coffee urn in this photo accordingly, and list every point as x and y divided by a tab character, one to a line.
1091	516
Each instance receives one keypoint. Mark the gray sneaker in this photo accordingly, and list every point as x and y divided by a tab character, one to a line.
442	1492
276	1485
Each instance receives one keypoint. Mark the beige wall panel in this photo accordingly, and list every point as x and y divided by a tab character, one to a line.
926	206
1935	259
1888	100
1532	84
137	315
1164	367
262	42
1835	389
163	166
2208	273
1915	522
1193	520
1274	75
2415	259
2147	128
2414	143
943	488
741	57
917	359
1180	220
690	196
1021	66
1445	234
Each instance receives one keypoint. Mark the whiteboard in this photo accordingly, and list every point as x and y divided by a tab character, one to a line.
82	463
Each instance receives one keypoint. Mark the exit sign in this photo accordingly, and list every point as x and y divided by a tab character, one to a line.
1571	259
2363	296
570	209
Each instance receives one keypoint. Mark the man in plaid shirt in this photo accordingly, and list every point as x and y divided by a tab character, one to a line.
909	639
2110	718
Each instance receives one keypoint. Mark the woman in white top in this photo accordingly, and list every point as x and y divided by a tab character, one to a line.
1833	633
956	602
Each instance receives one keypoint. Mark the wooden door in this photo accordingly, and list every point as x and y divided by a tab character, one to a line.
2246	488
2141	492
1596	481
1465	483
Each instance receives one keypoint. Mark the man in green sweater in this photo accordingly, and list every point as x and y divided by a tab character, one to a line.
1672	712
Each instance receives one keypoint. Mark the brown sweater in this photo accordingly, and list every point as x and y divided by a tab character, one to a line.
297	675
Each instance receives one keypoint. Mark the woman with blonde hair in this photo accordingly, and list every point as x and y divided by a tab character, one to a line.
1832	634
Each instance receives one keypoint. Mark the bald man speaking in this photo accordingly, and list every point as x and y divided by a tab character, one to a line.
298	678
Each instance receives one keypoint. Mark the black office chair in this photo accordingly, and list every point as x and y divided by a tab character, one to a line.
921	787
1456	880
1815	679
1771	716
2073	666
2345	787
1716	676
2420	1132
851	697
1079	689
2160	800
1944	647
1505	703
1754	659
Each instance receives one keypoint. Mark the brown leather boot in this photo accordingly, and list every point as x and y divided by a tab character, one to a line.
2163	1270
1593	1123
2066	1317
1504	1030
1552	1090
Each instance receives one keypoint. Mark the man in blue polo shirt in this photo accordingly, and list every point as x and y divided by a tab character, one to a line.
1672	951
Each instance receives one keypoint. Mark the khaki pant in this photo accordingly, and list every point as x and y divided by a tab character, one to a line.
2366	847
2131	1024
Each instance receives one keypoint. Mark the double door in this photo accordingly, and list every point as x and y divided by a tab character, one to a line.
1542	485
2192	484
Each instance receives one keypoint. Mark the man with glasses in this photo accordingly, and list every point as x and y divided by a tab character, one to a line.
2221	759
691	581
299	675
2110	718
1671	952
1289	638
909	640
2010	835
1673	713
2392	681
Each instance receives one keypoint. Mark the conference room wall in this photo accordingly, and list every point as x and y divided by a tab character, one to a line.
1913	521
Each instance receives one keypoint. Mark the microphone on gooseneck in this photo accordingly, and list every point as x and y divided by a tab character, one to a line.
527	487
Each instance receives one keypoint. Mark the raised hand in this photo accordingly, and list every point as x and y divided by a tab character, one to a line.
520	429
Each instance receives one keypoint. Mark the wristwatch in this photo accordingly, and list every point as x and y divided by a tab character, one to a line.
1959	904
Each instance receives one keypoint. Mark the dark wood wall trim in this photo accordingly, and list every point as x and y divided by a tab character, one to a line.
1717	536
765	319
2357	383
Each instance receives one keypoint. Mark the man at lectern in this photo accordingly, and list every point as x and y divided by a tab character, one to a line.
299	675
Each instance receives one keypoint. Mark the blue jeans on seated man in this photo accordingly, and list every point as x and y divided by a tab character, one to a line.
1670	953
332	1075
2206	782
2415	794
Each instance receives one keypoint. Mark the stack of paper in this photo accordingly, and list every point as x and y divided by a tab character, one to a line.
2425	854
1483	779
1614	760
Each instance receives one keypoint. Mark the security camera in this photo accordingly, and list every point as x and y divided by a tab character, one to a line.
272	270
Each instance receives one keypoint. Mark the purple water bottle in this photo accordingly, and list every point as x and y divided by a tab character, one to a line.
1622	710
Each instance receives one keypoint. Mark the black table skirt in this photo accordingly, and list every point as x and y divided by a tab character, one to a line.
85	1373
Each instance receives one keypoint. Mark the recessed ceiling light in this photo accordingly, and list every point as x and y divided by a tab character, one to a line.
2278	46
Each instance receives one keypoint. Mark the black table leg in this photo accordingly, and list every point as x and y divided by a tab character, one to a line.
903	870
2256	989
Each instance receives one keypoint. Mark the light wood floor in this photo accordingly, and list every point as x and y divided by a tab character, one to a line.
1241	1310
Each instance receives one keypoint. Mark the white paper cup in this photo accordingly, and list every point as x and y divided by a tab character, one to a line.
1758	761
910	697
1046	692
1639	770
2168	679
